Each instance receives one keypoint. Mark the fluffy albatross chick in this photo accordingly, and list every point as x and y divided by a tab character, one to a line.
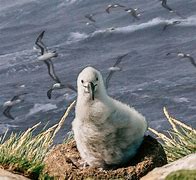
107	132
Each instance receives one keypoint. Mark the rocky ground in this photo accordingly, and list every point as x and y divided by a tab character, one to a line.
186	163
6	175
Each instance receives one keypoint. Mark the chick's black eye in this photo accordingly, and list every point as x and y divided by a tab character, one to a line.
97	79
82	81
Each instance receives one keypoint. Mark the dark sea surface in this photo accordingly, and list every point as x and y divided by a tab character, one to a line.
149	80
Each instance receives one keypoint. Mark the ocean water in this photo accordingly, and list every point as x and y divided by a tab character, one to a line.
149	79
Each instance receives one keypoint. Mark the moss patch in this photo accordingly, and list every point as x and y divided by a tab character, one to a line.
182	175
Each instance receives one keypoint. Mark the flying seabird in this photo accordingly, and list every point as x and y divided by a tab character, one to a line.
51	70
46	57
110	6
9	104
170	24
45	54
111	28
59	86
133	12
183	55
164	5
113	69
91	24
90	17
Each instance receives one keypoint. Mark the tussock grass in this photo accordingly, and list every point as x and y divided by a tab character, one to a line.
70	136
25	152
179	141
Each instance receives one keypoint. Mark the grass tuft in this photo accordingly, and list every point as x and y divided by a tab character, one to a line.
179	141
25	152
69	137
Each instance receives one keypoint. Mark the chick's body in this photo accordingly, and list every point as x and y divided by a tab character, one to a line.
107	132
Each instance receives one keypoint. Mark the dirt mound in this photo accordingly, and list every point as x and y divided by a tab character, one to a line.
62	162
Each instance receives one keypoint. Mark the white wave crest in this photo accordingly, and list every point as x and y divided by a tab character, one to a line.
133	27
41	107
67	3
145	25
190	21
5	127
76	36
72	1
181	100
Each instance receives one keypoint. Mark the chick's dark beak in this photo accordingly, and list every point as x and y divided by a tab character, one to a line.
92	90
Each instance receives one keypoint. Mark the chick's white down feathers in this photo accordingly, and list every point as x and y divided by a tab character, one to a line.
107	132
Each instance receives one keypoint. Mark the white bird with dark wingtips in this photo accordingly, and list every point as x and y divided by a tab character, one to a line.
183	55
113	69
9	104
164	5
57	86
91	24
107	132
111	6
90	17
133	12
45	54
168	24
46	57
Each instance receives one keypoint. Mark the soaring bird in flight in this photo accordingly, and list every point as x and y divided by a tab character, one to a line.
9	104
183	55
57	86
111	6
133	12
114	68
164	5
46	57
90	17
170	24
